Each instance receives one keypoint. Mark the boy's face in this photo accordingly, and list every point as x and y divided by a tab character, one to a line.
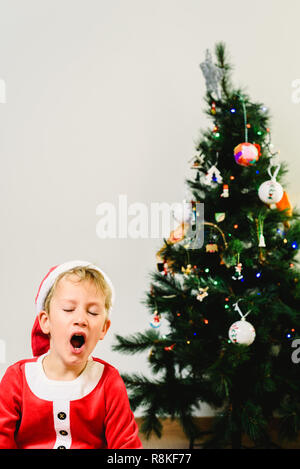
77	319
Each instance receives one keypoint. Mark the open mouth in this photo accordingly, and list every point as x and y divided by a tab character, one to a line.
77	341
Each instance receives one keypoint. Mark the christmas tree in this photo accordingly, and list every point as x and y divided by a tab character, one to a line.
231	302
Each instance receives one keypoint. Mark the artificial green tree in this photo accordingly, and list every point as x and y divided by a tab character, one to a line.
245	270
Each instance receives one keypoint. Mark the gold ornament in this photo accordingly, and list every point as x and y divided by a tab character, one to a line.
202	293
187	270
212	247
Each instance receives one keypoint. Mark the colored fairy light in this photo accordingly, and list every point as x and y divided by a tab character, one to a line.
205	321
257	172
258	274
288	336
233	110
206	270
235	226
285	240
217	134
294	245
226	306
259	132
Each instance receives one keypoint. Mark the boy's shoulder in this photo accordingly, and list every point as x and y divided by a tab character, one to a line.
111	378
16	369
109	371
19	365
110	368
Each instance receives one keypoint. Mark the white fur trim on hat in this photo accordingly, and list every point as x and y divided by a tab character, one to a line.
50	278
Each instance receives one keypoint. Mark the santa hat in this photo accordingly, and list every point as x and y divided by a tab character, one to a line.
40	341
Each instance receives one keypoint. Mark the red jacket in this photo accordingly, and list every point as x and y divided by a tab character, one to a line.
90	412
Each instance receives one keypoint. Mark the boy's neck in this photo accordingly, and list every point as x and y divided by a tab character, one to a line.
55	369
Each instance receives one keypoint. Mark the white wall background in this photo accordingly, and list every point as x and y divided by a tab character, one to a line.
105	97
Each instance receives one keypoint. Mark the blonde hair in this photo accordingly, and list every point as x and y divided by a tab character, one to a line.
88	274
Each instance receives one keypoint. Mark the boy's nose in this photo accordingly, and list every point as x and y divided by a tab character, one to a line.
80	319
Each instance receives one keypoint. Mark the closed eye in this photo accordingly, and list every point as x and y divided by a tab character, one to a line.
70	310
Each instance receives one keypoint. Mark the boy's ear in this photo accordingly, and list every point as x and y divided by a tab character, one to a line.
105	329
44	321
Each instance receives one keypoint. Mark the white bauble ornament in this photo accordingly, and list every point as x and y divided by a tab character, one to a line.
270	192
241	332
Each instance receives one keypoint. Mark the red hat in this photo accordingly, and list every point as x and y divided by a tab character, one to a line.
39	341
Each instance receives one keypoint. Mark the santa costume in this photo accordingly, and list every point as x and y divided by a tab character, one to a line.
89	412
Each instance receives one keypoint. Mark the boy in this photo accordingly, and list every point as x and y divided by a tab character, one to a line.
64	398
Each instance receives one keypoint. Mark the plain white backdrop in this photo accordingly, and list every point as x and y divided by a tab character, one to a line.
105	97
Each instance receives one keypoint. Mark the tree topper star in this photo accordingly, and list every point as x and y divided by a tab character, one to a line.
212	74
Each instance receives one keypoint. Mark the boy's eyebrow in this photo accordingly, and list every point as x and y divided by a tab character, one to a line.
70	300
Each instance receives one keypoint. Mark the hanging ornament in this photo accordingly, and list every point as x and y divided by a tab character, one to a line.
155	321
220	216
238	272
271	192
178	234
196	164
211	247
212	74
225	192
187	270
246	154
202	293
162	264
260	230
166	268
241	332
197	161
169	348
238	269
284	204
213	175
